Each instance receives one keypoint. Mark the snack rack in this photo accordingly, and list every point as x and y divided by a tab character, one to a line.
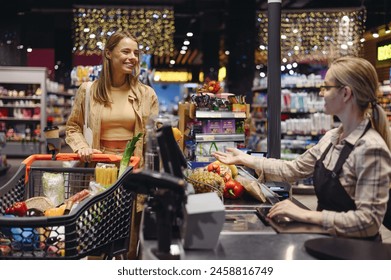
99	225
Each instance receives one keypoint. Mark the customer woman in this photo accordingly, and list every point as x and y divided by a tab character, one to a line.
120	105
350	165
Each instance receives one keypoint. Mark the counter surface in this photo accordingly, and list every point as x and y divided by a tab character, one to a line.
245	237
247	247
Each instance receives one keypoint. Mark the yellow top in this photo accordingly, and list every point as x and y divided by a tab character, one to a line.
118	121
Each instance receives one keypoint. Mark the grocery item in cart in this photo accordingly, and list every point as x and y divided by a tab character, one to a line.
39	202
21	238
106	174
97	223
53	187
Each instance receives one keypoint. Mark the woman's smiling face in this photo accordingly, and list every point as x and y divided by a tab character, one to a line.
124	56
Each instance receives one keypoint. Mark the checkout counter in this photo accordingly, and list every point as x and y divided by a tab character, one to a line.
244	235
178	224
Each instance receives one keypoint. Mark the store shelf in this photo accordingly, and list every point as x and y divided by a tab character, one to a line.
59	107
23	83
18	97
20	106
220	115
200	137
22	148
67	94
192	123
20	119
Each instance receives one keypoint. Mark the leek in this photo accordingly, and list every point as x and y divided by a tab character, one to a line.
130	147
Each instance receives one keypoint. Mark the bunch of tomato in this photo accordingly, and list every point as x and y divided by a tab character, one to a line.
232	189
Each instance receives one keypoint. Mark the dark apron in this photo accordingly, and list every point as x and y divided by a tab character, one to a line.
330	193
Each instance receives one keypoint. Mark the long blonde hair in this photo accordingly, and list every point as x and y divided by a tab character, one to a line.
105	80
360	75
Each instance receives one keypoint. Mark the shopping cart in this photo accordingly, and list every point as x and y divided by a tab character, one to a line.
98	226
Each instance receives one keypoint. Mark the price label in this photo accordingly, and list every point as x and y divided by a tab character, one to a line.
239	115
208	137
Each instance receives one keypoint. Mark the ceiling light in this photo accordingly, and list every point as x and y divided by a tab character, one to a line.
308	38
375	34
387	29
189	34
92	25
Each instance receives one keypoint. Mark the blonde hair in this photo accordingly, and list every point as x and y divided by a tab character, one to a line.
360	75
105	80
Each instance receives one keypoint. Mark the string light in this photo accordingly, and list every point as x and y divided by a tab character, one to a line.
154	28
387	29
316	35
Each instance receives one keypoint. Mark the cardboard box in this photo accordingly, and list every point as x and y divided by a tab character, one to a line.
228	126
239	108
212	126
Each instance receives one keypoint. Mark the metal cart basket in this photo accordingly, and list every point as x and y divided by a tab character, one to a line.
99	225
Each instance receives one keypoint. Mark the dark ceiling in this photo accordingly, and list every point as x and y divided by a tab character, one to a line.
47	23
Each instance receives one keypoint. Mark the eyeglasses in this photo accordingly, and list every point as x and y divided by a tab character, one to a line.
324	88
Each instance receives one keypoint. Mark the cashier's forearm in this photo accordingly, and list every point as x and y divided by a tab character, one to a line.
293	211
249	161
309	216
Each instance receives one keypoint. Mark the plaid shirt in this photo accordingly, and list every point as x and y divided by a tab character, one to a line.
366	177
145	104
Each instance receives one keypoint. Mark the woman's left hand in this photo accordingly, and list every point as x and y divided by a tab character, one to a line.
85	154
288	209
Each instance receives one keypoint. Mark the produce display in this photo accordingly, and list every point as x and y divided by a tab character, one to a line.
204	181
226	179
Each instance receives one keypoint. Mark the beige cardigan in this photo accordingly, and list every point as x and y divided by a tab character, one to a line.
145	105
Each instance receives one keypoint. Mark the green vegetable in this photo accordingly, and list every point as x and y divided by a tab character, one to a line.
130	146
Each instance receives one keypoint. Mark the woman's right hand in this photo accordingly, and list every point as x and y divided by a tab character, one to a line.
85	154
234	156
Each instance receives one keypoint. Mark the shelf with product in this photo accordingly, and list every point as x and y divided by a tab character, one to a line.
303	121
23	109
206	131
59	107
384	99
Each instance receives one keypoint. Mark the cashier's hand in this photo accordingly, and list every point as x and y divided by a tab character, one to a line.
85	154
287	208
234	156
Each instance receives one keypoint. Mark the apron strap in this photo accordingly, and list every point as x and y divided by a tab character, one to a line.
346	150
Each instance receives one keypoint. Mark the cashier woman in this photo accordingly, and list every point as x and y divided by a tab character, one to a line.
350	165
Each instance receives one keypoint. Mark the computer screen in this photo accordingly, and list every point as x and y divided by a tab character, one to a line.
171	156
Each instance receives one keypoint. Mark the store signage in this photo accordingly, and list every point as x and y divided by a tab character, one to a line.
383	52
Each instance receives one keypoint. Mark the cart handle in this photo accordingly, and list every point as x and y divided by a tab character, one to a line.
134	161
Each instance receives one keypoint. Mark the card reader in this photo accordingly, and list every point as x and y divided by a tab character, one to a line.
283	189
